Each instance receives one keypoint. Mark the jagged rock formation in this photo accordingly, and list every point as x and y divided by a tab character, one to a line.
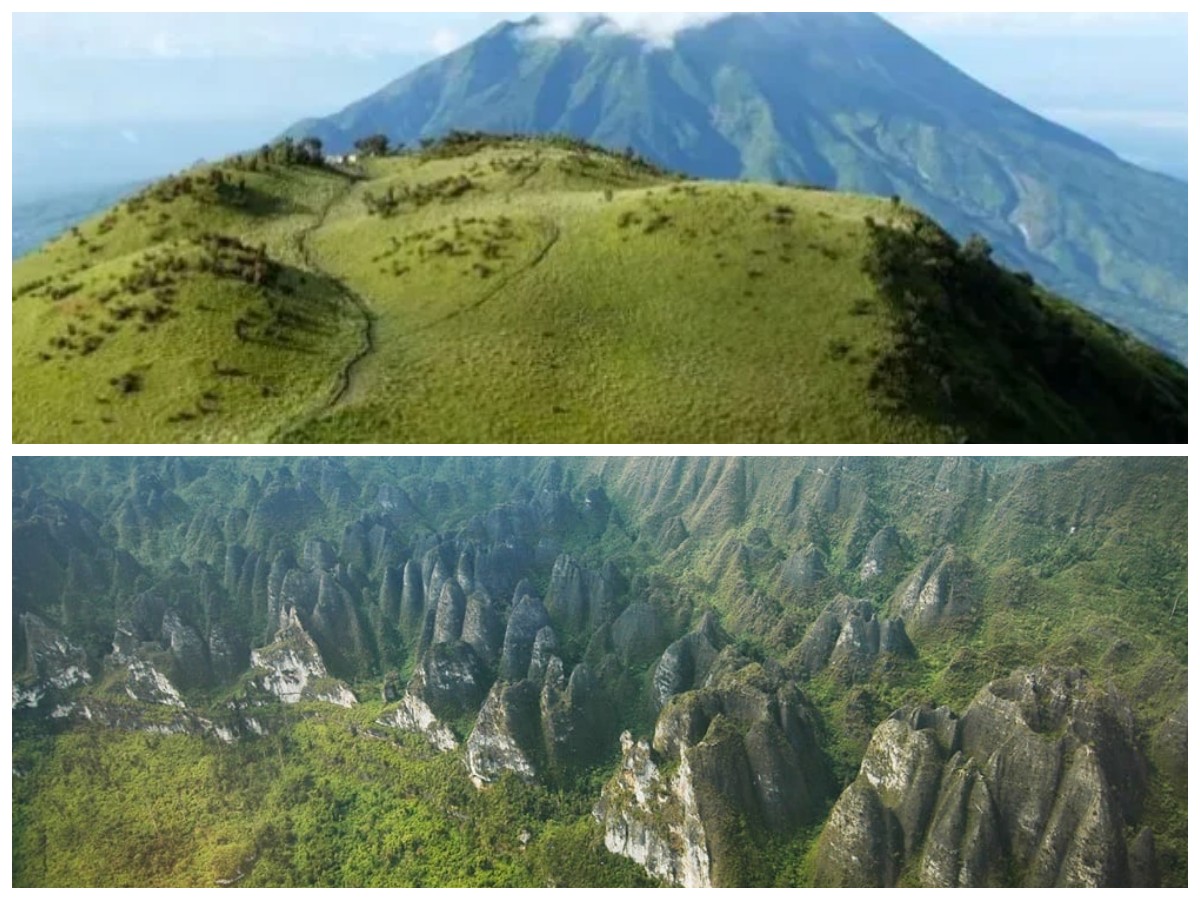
152	583
743	749
505	734
937	593
652	818
54	663
414	714
579	600
545	724
849	637
1037	781
687	662
292	668
148	685
805	568
883	554
450	680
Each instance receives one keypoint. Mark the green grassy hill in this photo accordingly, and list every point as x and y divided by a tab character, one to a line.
512	290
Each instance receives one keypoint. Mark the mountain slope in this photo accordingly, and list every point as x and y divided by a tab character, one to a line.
840	100
531	290
501	671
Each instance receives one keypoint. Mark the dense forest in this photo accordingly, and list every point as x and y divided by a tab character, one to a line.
599	672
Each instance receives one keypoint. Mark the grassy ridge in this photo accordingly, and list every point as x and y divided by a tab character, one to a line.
140	326
513	290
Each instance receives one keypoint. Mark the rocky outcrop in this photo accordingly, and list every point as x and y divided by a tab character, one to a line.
937	594
189	651
1035	785
292	668
580	600
414	715
483	627
882	556
528	618
506	735
849	637
148	685
687	662
53	664
735	758
805	568
450	680
638	634
652	818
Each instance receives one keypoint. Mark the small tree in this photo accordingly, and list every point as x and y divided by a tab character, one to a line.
375	145
312	149
977	249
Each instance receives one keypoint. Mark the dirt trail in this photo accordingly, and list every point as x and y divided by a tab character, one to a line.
345	381
367	345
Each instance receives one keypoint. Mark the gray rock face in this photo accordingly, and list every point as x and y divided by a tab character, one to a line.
451	613
638	635
228	653
937	593
805	568
336	626
356	546
450	680
1037	781
653	818
146	684
882	555
319	555
391	595
188	650
412	601
483	627
746	752
293	670
414	715
528	618
849	637
576	719
545	645
507	728
687	662
580	600
395	502
299	590
53	663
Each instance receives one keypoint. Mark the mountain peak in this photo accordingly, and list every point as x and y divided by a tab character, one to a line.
840	100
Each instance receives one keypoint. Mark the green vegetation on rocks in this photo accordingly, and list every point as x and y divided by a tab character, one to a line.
364	671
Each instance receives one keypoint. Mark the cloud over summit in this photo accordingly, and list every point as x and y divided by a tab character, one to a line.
655	28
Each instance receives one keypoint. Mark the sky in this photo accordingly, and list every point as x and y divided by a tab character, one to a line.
1121	78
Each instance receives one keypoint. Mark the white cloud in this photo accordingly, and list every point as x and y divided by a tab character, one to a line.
657	29
446	40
